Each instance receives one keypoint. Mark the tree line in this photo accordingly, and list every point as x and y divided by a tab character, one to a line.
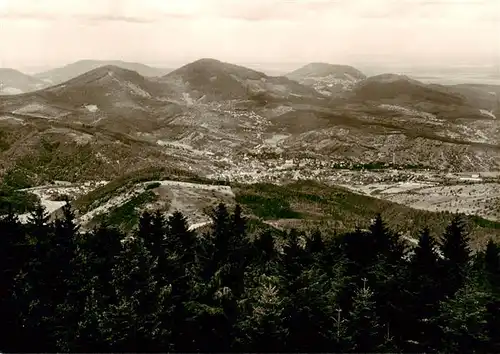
168	289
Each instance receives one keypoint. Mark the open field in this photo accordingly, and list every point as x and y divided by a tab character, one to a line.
482	199
126	202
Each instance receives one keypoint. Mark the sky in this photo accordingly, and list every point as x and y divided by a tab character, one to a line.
49	33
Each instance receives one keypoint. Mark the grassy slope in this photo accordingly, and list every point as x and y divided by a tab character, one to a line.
117	186
314	204
126	182
126	216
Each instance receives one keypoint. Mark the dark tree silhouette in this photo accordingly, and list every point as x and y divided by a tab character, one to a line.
166	288
456	256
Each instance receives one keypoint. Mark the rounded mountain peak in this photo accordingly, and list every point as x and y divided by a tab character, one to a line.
319	69
208	68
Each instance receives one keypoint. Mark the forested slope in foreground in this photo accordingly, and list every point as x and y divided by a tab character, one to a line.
169	289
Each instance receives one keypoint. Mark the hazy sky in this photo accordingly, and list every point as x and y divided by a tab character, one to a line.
55	32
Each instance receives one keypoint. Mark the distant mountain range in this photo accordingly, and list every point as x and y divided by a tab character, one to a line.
220	119
13	82
65	73
324	76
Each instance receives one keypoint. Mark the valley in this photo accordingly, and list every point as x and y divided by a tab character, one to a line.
209	125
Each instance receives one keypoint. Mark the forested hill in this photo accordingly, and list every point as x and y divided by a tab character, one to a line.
168	289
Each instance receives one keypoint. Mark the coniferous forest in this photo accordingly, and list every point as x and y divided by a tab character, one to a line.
168	289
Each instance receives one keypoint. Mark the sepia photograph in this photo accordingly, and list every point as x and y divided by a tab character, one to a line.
250	176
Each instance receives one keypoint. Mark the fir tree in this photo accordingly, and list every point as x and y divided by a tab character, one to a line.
492	265
221	235
180	239
12	258
34	286
264	248
309	312
386	276
364	333
99	251
294	258
423	294
314	243
456	256
69	298
463	320
132	323
180	253
214	305
262	324
239	253
152	230
91	336
493	326
386	242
